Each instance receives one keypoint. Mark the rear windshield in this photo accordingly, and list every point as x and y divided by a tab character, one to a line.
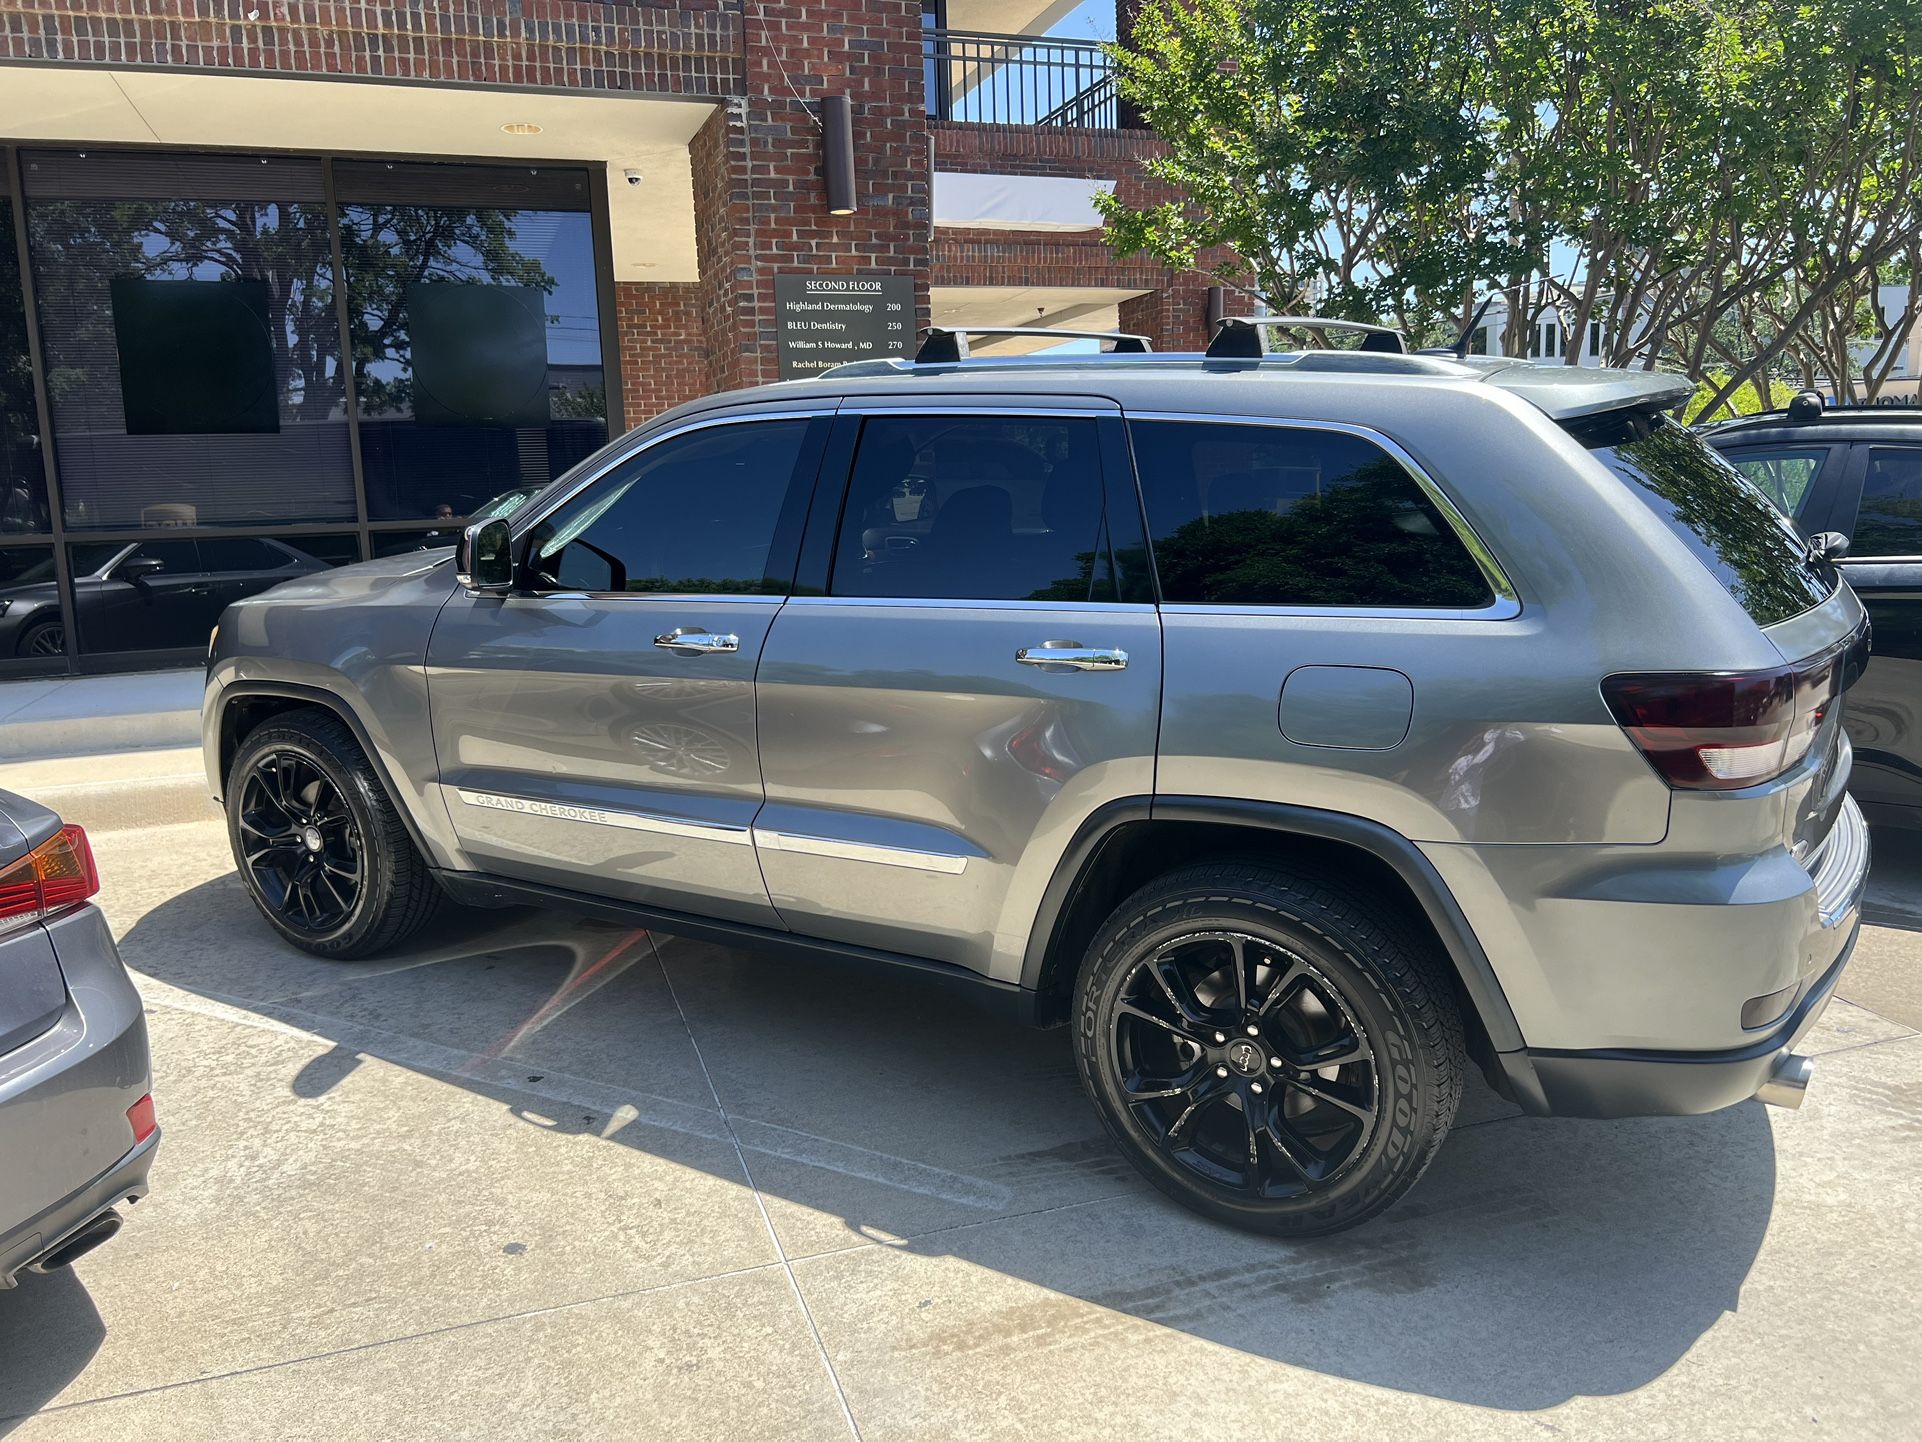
1744	541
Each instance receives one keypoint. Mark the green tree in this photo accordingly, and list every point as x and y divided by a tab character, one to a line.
1336	150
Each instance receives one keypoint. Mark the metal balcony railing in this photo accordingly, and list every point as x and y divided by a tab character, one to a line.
1019	80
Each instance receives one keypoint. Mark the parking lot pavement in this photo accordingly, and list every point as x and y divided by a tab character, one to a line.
546	1178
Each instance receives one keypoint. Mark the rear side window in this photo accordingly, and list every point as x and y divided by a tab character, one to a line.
1890	520
1262	515
1744	541
1786	477
982	508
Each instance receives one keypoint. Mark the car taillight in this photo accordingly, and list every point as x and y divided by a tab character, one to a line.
56	874
1720	731
140	1116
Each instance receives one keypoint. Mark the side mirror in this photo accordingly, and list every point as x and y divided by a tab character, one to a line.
139	568
484	561
1830	545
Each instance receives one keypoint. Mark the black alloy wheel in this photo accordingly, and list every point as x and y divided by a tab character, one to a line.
323	850
300	842
1276	1047
1244	1063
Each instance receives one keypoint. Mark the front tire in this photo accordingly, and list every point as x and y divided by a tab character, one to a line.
320	847
1270	1047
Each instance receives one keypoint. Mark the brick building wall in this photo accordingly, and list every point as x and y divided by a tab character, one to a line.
681	49
760	208
759	202
1174	313
663	351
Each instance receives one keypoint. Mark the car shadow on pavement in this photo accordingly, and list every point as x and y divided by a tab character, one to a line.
49	1331
1537	1261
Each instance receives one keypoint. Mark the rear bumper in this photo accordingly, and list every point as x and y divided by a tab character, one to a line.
1663	1083
67	1150
125	1181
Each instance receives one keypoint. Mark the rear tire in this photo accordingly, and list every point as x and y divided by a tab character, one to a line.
320	846
1273	1048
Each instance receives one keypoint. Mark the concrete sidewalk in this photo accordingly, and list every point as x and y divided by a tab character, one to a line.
89	715
536	1177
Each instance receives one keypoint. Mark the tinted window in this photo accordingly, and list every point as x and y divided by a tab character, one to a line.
191	338
1786	477
175	557
239	554
700	512
1746	543
975	508
1890	521
1252	515
476	331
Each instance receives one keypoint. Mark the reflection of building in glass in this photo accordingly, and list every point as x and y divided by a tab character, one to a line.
341	281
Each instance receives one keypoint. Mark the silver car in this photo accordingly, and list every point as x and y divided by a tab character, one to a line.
1297	728
77	1128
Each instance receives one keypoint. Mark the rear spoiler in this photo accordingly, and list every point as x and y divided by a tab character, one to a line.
1569	393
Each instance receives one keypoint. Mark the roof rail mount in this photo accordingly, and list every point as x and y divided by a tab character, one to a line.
941	344
1805	406
1240	336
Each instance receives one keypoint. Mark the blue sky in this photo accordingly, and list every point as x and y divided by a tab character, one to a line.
1093	21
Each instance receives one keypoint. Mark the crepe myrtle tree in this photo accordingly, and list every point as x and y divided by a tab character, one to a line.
1335	150
1645	168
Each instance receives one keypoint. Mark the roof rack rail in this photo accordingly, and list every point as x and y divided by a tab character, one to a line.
1239	337
941	343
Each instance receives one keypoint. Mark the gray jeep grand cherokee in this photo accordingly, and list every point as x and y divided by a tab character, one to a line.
1295	727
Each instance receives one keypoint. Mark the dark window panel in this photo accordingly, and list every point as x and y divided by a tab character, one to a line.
986	509
163	595
1889	522
400	543
23	476
1287	516
188	319
699	513
29	603
477	346
1785	476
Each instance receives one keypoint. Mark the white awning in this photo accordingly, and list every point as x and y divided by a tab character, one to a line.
1016	202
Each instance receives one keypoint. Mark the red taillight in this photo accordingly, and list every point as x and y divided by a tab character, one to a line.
1720	731
56	874
141	1118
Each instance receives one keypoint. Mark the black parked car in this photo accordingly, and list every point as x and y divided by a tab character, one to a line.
1858	471
141	595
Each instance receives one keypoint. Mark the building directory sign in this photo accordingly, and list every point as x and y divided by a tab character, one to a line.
825	320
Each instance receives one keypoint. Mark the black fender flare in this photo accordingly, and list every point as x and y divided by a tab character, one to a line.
1391	847
329	701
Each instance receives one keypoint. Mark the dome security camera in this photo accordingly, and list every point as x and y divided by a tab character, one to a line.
633	175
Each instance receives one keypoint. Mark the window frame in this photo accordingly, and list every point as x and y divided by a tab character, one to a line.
1828	480
1120	498
796	506
1846	510
1505	601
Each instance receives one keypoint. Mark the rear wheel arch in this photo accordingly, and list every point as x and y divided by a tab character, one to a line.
1127	843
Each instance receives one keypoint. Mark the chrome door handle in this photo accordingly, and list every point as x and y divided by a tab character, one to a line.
703	642
1081	658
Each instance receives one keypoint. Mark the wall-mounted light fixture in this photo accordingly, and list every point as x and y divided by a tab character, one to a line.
837	153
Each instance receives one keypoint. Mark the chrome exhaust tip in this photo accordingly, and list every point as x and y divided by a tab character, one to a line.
1787	1082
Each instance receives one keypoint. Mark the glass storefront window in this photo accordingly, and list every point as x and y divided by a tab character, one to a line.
23	478
228	409
30	625
165	594
476	332
191	338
